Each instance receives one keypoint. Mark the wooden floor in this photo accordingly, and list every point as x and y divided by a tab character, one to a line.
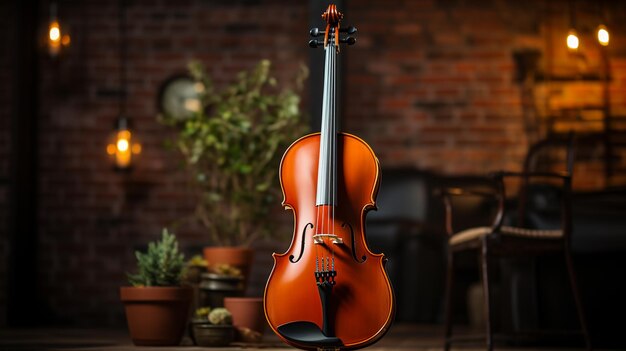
400	337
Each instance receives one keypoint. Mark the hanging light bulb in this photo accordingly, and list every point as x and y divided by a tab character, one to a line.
603	35
572	40
121	148
56	38
54	32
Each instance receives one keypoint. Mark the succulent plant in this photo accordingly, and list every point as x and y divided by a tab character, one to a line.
197	261
220	316
203	313
226	269
161	265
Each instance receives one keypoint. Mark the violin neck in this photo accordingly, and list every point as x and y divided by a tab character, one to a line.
327	169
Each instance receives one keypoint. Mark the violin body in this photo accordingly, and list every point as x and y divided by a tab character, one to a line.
362	304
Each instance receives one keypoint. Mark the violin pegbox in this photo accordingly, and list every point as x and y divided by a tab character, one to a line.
333	28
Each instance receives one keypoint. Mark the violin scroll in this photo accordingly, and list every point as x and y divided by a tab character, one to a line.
332	16
331	33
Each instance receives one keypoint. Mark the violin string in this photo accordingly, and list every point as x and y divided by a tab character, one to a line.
329	169
319	221
334	143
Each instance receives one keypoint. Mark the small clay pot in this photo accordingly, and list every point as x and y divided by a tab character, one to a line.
247	314
156	316
204	333
239	257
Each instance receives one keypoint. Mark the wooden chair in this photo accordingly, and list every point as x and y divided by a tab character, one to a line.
501	240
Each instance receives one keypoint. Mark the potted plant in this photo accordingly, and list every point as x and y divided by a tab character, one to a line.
232	146
194	269
221	281
157	306
212	327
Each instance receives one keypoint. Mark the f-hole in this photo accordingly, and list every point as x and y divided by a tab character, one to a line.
291	257
363	258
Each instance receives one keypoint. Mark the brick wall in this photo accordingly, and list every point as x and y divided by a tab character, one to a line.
429	84
91	218
434	85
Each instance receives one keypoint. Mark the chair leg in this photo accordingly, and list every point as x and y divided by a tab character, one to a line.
448	300
487	295
577	298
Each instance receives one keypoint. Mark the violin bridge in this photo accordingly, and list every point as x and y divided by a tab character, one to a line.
319	238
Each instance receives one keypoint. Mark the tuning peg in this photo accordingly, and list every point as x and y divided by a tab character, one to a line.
315	43
348	40
349	30
316	32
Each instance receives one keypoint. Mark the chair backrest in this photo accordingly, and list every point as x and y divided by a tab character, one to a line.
544	201
543	154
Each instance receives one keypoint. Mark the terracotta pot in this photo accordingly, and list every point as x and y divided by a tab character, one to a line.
247	312
156	316
240	257
206	334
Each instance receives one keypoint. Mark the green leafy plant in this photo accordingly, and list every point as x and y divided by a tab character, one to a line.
232	147
161	265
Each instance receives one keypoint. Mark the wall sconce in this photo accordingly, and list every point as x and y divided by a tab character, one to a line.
603	35
572	40
56	38
122	149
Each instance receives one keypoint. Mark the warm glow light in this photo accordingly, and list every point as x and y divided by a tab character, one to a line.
603	35
65	40
123	140
55	31
572	40
54	38
122	149
122	145
111	149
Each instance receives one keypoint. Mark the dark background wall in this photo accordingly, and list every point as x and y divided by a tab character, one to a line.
6	96
430	84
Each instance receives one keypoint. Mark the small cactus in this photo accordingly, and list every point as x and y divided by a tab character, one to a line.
220	316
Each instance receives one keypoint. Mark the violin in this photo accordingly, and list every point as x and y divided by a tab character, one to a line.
328	290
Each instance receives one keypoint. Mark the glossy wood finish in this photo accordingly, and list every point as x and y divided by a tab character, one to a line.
362	304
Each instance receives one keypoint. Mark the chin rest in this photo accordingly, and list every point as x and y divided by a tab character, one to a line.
307	333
